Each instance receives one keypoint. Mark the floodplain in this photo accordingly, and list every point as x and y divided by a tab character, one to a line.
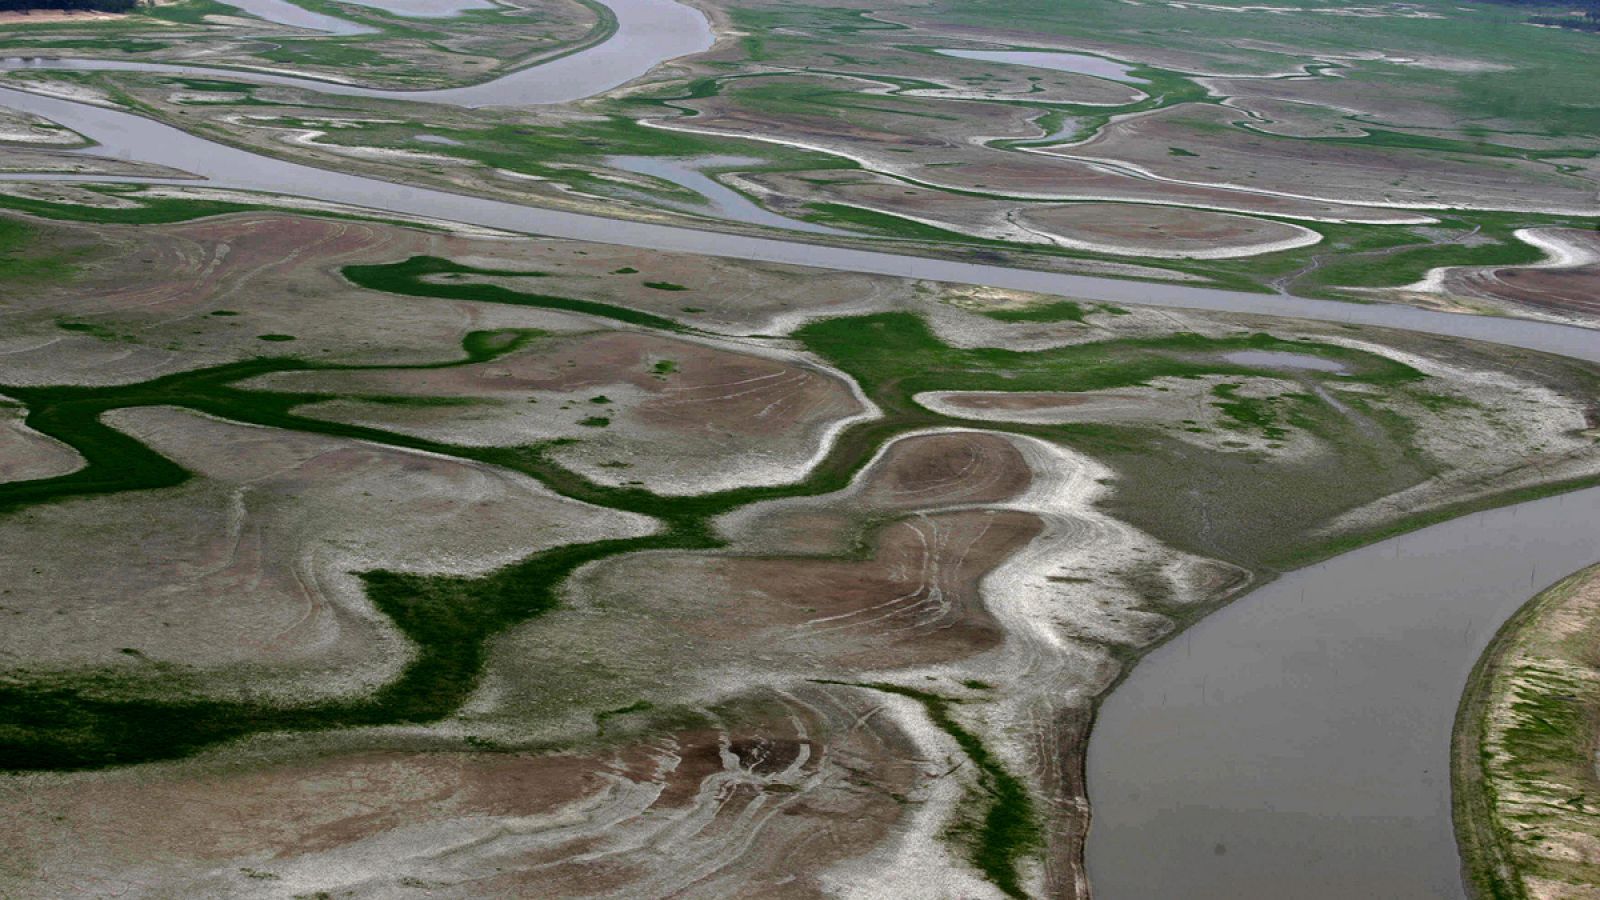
468	506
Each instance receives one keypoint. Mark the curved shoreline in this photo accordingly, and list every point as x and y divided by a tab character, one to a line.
640	35
1488	857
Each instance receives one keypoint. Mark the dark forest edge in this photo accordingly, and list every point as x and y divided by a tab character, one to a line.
110	6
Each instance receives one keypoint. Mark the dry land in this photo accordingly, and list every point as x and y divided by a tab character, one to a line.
1526	789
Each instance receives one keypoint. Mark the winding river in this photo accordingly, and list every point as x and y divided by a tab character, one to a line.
1293	744
649	33
284	12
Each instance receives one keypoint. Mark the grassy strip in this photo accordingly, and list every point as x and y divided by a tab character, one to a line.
407	278
896	354
1061	311
1009	830
1554	731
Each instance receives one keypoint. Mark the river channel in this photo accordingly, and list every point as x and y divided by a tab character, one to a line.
648	33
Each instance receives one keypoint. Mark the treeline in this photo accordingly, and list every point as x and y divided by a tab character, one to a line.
1589	21
1585	15
97	5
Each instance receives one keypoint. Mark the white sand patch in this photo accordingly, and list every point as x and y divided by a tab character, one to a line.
1060	601
55	192
65	90
313	138
1562	250
1501	432
1301	237
26	454
33	131
917	860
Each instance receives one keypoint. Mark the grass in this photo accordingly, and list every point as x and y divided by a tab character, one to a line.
1545	83
1545	750
408	278
895	353
1008	830
25	259
1061	311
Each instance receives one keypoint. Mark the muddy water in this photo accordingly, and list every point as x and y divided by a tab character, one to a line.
724	201
649	32
1296	743
425	9
284	12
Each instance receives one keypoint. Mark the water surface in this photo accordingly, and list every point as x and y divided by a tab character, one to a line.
425	9
649	32
1077	63
724	201
1297	742
283	12
127	136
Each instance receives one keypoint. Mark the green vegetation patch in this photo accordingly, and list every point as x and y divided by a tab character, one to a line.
1062	311
408	278
26	259
1008	830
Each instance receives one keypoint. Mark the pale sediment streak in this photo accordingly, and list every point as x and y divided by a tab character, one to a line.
1560	253
1054	655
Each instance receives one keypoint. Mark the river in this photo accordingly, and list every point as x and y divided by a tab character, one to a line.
1297	742
649	32
1293	744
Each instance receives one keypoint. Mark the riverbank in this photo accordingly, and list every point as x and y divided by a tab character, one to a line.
1525	787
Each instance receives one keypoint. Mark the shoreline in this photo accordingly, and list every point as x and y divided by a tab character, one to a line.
1481	755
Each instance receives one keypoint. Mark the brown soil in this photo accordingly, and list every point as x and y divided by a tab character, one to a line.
1126	225
680	415
942	469
246	570
915	600
1573	292
1013	402
44	16
26	454
758	806
1220	151
917	473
